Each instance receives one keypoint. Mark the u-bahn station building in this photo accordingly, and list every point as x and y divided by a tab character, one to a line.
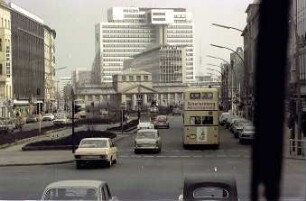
130	90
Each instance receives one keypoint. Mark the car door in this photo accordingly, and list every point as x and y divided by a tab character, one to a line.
159	140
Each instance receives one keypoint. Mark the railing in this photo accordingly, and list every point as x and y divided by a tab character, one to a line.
297	148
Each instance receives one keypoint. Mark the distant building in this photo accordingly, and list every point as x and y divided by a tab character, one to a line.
131	30
81	77
50	86
27	61
166	63
63	81
6	92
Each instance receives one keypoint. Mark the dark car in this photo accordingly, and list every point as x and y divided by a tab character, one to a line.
210	187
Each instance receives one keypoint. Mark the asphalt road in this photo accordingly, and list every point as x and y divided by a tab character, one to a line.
153	176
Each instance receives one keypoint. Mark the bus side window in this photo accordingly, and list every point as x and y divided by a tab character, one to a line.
207	120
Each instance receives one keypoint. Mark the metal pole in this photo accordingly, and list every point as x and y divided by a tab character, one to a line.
232	88
121	120
72	126
298	87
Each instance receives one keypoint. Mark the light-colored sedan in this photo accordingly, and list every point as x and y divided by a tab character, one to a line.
247	134
48	117
78	190
145	125
61	119
147	139
93	150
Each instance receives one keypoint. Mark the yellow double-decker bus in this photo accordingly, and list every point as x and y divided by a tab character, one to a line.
201	114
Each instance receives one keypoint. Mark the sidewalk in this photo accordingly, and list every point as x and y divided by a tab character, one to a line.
14	156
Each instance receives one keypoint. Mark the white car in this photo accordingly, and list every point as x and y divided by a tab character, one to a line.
78	190
93	150
48	117
145	125
61	119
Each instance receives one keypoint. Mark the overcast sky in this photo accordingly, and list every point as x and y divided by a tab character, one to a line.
74	20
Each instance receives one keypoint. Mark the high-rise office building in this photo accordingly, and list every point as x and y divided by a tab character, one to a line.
131	30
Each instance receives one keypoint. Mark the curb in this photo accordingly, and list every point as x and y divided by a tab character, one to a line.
3	146
36	164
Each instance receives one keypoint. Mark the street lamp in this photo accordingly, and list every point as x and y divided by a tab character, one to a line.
232	67
233	51
210	56
227	27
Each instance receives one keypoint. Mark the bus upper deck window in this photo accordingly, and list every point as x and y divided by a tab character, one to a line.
207	95
195	96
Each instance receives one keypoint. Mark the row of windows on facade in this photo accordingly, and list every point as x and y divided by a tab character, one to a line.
180	36
30	25
2	45
129	41
170	68
124	50
149	96
129	21
144	26
129	31
8	69
179	31
134	16
125	45
179	41
130	36
131	78
5	23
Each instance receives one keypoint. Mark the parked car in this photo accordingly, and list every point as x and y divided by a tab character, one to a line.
48	117
223	117
228	121
145	125
7	126
78	190
209	187
233	121
247	134
161	121
61	119
31	118
96	150
147	139
238	126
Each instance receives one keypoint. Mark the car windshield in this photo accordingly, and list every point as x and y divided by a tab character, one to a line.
75	193
210	192
144	124
93	144
146	134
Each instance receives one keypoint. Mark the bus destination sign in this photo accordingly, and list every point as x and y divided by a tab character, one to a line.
191	105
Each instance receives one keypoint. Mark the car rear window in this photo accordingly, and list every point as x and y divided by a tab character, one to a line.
210	192
93	144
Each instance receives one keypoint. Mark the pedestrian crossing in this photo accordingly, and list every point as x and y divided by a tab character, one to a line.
208	156
129	153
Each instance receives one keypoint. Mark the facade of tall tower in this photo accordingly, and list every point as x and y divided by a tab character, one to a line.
132	30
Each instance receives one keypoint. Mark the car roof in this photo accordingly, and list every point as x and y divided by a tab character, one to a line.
96	138
147	130
144	122
193	182
76	183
